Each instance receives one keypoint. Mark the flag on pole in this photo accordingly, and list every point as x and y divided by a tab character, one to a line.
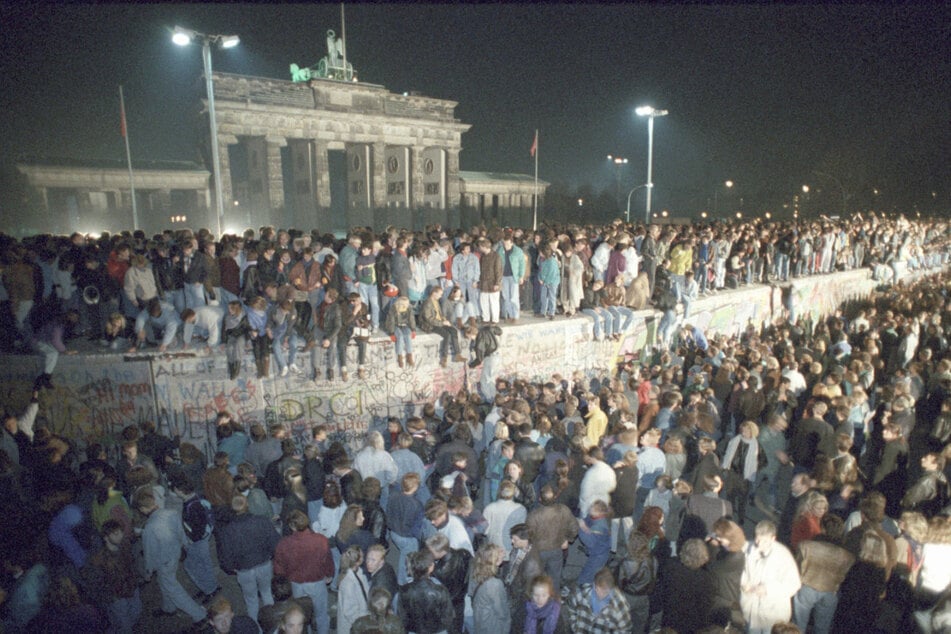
534	145
122	127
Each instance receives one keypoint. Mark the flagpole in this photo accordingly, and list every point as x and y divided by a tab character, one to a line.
128	157
343	40
535	197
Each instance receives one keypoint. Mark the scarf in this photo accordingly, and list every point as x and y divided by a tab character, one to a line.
514	564
549	614
752	454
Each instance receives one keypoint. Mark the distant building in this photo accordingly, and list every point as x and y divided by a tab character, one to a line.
498	199
92	196
322	153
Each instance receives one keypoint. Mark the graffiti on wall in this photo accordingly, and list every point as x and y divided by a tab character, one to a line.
97	395
94	398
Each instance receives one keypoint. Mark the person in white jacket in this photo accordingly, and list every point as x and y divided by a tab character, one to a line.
353	589
139	284
373	461
598	481
502	515
770	579
203	322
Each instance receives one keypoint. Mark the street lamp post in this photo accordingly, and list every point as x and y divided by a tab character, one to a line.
650	112
838	183
627	212
183	37
716	194
618	162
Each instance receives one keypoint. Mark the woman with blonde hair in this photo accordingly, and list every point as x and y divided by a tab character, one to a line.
741	461
401	325
353	589
490	607
806	523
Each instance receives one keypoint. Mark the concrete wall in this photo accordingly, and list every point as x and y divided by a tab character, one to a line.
96	395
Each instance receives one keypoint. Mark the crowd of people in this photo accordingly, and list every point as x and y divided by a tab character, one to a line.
789	478
303	299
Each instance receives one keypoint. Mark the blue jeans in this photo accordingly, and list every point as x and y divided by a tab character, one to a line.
618	312
592	565
370	296
701	276
510	297
317	591
194	295
666	327
549	297
256	581
124	614
282	357
313	509
677	283
174	595
820	604
198	566
603	321
405	545
50	355
782	266
404	340
687	304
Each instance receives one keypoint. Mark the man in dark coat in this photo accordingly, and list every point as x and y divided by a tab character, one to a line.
425	605
451	569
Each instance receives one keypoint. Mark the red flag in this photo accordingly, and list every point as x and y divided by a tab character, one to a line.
534	145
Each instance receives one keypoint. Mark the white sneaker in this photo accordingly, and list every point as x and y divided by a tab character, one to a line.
285	371
293	367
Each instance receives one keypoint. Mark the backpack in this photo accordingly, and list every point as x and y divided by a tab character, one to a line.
198	519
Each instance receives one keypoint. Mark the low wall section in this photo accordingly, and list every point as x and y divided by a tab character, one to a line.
96	395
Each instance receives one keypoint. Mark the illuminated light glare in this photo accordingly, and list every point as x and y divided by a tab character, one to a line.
703	214
181	36
580	201
664	213
729	183
805	189
739	214
230	41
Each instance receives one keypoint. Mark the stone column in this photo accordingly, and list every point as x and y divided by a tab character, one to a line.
377	166
416	177
322	185
227	187
275	175
451	190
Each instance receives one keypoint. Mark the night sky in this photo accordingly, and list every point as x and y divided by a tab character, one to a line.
761	95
